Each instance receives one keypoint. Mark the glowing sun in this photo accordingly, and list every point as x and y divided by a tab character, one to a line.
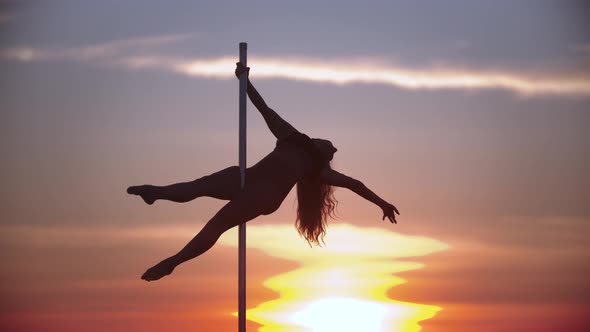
342	286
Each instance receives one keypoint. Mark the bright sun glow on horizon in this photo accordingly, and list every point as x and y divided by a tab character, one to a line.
342	286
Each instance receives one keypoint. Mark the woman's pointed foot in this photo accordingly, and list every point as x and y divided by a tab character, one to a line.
146	193
160	270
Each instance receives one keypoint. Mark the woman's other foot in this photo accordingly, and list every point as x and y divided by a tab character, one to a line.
160	270
146	192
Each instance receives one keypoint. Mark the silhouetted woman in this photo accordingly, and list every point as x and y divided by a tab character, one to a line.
296	159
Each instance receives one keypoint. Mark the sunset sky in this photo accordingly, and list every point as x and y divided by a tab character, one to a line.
472	117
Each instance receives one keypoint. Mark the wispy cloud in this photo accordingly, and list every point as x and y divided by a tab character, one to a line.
125	54
346	72
103	51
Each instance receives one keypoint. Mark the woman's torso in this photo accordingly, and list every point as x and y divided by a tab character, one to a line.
288	162
273	177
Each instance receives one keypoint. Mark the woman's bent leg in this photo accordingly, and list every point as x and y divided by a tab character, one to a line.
232	214
224	184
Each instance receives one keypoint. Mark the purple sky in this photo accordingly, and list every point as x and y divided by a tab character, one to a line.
472	118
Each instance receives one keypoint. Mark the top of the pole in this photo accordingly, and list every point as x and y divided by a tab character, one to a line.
243	52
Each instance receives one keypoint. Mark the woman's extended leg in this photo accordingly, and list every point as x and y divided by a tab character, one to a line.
238	211
224	184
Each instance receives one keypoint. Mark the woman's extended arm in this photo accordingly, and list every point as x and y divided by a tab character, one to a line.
279	127
334	178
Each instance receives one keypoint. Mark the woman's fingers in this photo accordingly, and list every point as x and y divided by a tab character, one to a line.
240	68
390	217
390	214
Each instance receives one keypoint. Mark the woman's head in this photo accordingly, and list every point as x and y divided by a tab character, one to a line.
325	147
316	203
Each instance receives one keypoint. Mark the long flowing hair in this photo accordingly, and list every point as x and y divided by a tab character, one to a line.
315	203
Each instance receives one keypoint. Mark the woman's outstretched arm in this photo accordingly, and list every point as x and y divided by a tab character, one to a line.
279	127
334	178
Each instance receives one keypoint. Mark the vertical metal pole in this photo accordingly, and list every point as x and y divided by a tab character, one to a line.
242	227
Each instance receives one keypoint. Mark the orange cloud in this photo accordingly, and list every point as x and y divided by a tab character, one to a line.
345	282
